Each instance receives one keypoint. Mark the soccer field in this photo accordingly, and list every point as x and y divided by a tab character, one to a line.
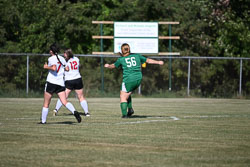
163	132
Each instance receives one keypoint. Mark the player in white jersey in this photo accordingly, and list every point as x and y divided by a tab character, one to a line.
73	81
55	84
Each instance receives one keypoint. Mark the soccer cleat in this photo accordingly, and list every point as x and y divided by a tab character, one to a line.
86	114
78	117
124	116
130	112
55	112
42	122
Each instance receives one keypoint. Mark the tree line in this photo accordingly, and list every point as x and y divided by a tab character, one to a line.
213	28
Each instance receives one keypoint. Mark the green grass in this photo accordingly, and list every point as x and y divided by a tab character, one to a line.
209	132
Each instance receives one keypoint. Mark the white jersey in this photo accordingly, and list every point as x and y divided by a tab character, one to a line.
73	73
56	77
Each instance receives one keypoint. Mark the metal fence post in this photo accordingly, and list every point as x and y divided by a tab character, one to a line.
170	60
102	73
139	90
188	86
240	82
27	76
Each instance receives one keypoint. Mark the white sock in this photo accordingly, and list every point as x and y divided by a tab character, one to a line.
84	105
70	107
58	105
44	114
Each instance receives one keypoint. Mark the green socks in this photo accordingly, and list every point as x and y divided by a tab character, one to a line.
124	107
129	102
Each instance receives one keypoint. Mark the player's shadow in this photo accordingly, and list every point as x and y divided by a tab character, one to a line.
80	113
64	114
64	122
133	116
146	116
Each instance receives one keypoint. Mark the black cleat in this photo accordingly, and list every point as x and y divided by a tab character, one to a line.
78	117
86	114
124	116
130	112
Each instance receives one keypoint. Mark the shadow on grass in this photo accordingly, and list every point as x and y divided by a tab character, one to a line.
65	122
147	116
133	116
58	123
65	114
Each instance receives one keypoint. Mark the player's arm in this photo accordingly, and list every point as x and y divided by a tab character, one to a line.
109	65
53	67
151	61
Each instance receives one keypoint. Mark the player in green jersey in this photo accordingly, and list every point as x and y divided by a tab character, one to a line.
132	76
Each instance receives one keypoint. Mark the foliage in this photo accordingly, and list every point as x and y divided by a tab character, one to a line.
218	28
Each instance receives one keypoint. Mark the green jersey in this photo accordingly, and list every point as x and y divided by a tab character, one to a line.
131	66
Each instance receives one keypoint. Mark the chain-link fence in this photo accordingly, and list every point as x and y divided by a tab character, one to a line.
186	76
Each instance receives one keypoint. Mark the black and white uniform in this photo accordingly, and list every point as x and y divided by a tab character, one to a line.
55	79
73	79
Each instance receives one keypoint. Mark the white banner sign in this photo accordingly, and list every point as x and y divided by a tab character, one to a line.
142	37
136	29
137	45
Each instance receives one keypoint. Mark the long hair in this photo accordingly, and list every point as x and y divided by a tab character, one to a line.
55	49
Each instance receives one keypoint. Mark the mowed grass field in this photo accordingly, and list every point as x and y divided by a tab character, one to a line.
179	132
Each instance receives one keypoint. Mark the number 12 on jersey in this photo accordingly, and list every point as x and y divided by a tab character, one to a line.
73	65
130	61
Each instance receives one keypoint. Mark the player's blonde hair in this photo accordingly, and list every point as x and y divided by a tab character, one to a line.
123	46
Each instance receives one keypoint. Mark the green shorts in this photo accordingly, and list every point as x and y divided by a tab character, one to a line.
130	86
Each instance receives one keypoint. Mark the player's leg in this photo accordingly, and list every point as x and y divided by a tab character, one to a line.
123	102
59	103
130	87
82	101
129	102
68	105
45	109
130	109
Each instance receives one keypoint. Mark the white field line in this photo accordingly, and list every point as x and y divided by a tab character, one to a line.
26	118
175	118
209	116
17	119
154	119
148	121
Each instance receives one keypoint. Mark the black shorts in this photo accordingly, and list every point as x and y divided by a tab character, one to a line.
74	84
53	88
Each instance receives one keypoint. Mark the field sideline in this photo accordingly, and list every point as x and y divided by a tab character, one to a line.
163	132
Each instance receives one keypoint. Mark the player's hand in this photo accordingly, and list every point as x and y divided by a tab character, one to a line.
106	65
161	62
66	68
45	65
